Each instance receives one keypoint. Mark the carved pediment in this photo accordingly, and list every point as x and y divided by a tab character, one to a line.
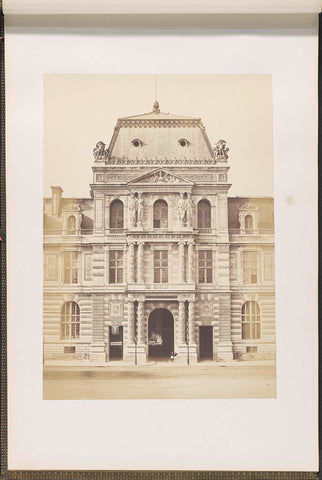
160	176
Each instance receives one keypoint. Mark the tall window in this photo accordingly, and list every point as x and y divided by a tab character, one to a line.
250	267
116	214
71	225
70	321
70	267
160	214
204	214
250	320
116	266
249	224
205	266
160	266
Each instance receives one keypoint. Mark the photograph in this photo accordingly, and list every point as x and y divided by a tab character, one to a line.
158	237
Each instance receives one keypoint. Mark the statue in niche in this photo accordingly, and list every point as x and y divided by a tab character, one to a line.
189	209
133	209
221	150
99	151
181	208
140	207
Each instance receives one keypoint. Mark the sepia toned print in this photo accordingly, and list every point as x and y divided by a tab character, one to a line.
159	276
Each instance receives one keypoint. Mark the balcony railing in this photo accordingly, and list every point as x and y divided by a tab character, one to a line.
56	231
206	230
116	231
259	231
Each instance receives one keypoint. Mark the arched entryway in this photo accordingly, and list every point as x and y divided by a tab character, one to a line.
161	334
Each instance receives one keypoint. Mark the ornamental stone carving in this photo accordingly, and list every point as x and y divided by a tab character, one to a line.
133	210
140	210
189	209
159	161
99	151
221	150
161	177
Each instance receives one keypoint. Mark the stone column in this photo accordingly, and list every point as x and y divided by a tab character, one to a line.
192	336
141	323
107	340
141	346
130	322
140	262
130	262
190	261
182	326
181	262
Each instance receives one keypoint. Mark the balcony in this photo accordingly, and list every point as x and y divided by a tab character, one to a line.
51	231
259	231
116	231
206	231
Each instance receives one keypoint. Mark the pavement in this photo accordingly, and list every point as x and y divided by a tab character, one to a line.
204	380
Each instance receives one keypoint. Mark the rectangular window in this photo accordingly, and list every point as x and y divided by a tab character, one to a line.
70	267
205	266
69	349
116	266
250	267
160	266
268	266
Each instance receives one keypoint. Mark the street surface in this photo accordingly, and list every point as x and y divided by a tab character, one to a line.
161	381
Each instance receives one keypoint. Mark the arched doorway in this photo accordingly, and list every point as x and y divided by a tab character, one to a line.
161	334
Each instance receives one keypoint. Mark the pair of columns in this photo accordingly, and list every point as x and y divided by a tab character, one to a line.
186	326
182	261
186	323
140	322
140	262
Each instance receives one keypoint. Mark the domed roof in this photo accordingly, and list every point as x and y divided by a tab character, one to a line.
155	135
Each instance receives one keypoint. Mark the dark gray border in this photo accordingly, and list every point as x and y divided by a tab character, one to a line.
108	475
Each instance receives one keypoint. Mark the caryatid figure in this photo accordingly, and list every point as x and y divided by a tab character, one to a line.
140	207
181	208
133	208
189	209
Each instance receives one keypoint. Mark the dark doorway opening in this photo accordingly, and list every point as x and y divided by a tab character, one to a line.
116	342
206	343
161	334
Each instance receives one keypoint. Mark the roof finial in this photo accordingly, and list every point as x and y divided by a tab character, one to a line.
156	106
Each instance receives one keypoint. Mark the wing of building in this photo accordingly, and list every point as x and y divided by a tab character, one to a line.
160	262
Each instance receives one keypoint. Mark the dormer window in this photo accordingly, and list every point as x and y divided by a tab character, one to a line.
183	142
136	143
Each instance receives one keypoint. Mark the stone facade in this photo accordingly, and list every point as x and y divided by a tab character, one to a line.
159	262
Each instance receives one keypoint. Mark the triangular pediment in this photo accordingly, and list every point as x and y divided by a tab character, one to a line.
160	176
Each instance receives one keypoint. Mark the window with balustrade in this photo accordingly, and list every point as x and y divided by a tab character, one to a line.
205	266
160	266
250	267
250	321
160	214
116	214
116	266
71	225
70	321
204	214
249	224
70	267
